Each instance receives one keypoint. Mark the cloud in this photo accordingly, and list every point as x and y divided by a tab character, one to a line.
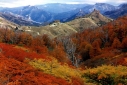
8	1
15	3
3	4
122	1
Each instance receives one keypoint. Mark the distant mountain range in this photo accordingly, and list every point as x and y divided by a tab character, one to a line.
32	13
118	12
70	15
59	8
18	19
45	14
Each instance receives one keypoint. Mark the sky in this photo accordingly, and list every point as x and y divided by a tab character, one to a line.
17	3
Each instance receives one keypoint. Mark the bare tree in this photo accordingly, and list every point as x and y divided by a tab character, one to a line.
70	49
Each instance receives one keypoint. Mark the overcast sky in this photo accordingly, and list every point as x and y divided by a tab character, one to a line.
16	3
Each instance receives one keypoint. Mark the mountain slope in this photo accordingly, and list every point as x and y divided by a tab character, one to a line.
91	20
6	24
31	13
98	18
117	13
35	14
81	13
65	16
18	19
58	29
55	29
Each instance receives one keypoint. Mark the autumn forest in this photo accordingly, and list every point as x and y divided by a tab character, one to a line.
95	56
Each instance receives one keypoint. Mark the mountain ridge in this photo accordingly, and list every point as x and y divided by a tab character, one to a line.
92	20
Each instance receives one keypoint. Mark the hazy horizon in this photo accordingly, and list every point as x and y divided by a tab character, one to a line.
18	3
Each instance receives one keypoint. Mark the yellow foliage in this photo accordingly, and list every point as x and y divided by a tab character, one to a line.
107	75
55	68
102	75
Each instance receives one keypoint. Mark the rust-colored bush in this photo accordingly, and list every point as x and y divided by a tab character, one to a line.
13	72
11	51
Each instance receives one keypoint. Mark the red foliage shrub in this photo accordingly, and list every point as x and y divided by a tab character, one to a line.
122	61
77	81
11	52
60	55
13	72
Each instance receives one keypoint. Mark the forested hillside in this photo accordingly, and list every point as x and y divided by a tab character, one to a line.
96	56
